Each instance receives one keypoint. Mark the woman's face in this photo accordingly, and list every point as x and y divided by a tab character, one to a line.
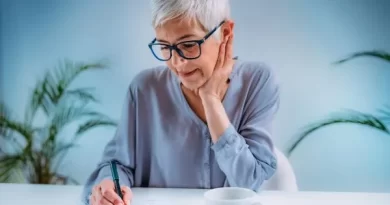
192	73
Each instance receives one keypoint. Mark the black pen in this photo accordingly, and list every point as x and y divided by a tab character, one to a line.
115	178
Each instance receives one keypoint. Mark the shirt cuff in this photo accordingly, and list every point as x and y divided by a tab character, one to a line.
227	137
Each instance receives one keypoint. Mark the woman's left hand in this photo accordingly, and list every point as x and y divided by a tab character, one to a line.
217	85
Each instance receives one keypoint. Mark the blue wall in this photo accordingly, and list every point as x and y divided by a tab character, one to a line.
300	39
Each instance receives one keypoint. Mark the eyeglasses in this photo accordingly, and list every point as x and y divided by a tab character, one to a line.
187	49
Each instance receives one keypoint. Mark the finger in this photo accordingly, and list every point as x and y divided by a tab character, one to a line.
109	193
221	55
127	194
229	61
100	200
92	199
229	48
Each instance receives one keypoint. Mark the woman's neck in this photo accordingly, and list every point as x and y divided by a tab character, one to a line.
194	101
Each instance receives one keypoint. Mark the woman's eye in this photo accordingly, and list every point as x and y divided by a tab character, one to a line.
189	45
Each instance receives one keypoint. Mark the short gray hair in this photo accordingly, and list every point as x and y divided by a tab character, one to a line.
209	13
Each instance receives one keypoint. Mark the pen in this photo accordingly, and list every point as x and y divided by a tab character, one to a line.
115	178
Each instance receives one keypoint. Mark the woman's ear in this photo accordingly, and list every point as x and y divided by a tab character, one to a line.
227	29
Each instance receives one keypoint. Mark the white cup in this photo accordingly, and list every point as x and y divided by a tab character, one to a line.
231	196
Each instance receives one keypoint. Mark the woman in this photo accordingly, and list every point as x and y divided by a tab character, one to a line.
202	121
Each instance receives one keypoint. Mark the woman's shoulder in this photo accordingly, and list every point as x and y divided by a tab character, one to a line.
255	73
151	80
259	84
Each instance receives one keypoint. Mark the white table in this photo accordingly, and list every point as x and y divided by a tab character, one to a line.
13	194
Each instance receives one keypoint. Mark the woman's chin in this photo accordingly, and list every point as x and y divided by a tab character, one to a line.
192	85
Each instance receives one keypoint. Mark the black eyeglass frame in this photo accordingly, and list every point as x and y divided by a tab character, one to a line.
174	46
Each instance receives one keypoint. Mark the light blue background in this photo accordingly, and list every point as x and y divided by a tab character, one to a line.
298	38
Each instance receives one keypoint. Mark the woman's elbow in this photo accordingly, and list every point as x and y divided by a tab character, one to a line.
263	172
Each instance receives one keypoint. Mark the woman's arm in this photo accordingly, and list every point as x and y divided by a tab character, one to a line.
245	155
120	148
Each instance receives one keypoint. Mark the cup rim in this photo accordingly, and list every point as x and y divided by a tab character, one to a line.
211	191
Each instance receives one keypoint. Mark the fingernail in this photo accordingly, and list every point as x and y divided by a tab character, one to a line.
128	202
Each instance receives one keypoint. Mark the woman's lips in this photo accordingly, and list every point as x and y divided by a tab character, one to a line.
187	74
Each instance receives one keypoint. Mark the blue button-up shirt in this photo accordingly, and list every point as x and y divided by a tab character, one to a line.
161	142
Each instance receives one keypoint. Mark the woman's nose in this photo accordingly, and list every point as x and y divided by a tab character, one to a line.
176	60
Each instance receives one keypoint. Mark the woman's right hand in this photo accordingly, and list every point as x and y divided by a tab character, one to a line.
104	194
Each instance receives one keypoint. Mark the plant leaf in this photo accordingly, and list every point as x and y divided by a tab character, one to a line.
83	94
94	123
36	99
349	116
375	53
60	151
69	71
7	143
9	125
66	73
50	90
63	147
8	165
69	113
90	124
385	114
41	97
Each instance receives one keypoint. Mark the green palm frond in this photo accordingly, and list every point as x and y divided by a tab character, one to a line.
85	95
37	160
9	127
385	114
64	115
9	144
18	176
36	100
68	71
69	113
9	165
63	147
41	98
92	123
60	152
349	116
375	53
48	92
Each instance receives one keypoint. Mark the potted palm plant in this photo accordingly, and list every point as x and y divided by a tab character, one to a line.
31	152
379	121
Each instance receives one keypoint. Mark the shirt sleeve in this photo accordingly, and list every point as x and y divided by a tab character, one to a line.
120	149
246	155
